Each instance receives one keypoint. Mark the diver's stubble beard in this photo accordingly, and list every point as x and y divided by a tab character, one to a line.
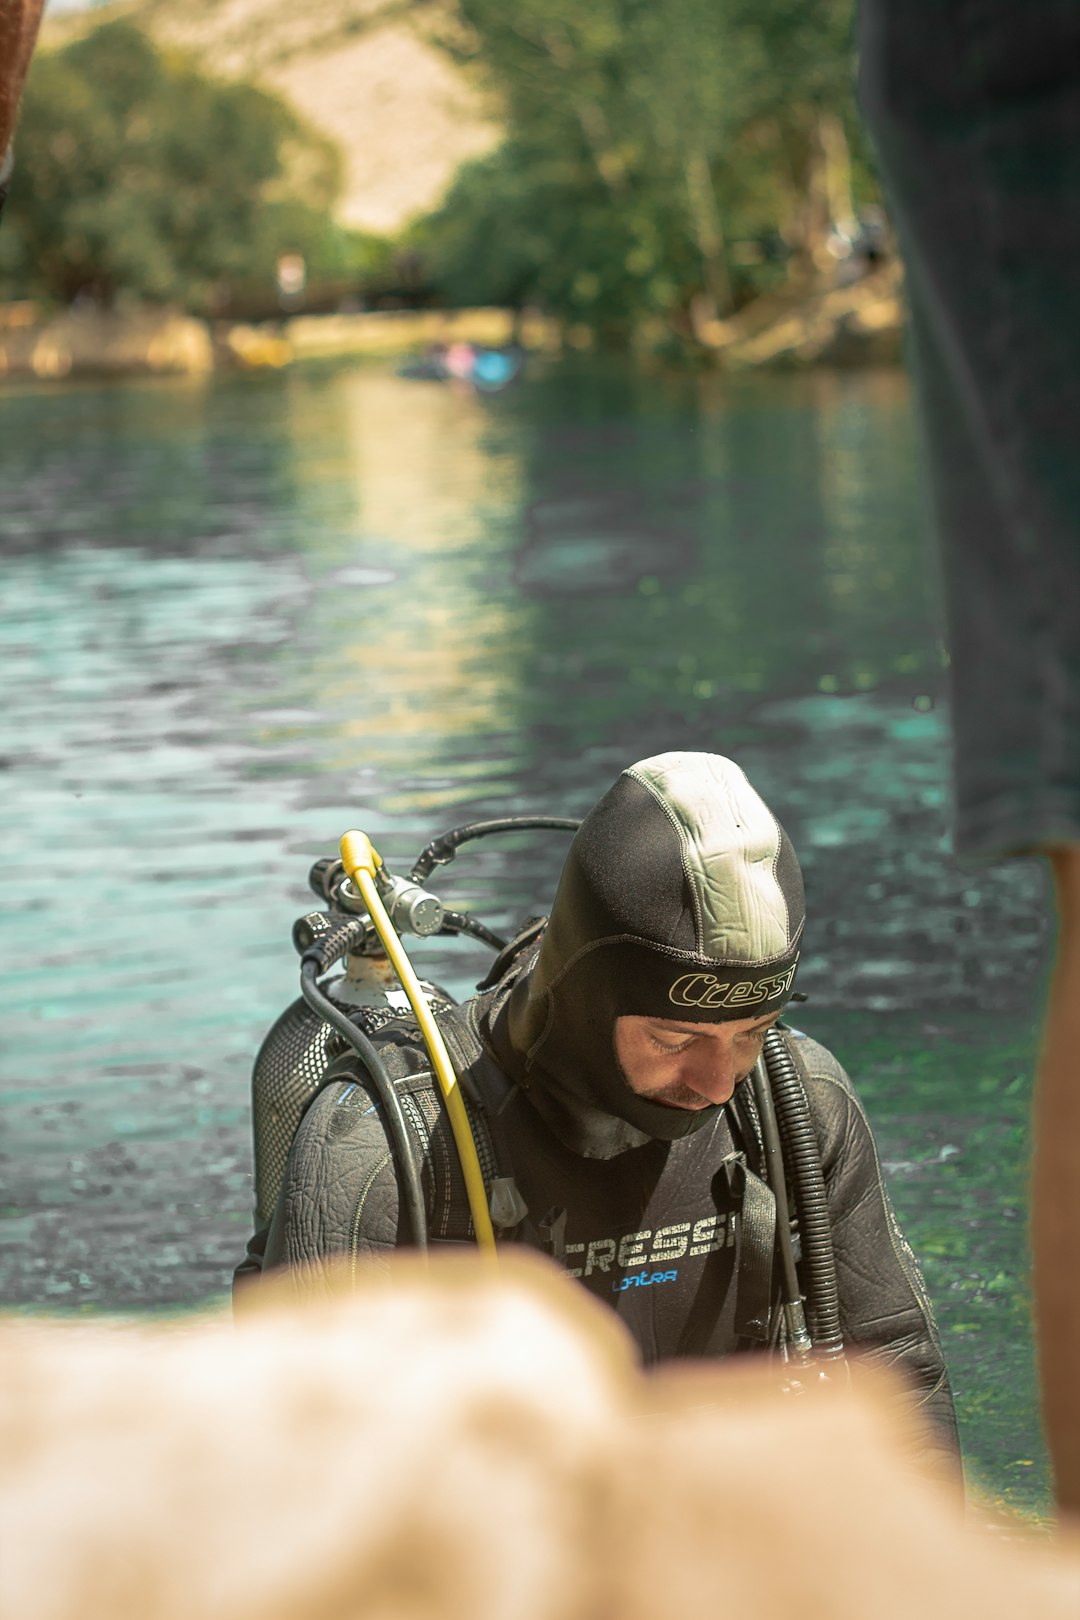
685	1097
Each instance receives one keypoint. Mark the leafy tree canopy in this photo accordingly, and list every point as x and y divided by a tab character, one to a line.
656	149
138	174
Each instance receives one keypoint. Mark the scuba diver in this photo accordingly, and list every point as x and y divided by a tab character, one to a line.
638	1108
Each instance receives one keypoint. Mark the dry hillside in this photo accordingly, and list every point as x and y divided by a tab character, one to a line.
361	71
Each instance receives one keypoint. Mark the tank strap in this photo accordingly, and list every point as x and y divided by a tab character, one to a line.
752	1200
446	1196
757	1247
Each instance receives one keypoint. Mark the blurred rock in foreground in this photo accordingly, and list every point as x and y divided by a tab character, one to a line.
450	1442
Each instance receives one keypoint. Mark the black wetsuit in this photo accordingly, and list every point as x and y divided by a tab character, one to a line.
655	1232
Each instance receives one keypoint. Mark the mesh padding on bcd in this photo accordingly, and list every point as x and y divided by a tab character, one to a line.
445	1193
289	1069
291	1063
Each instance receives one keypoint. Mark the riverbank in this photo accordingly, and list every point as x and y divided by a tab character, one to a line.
854	325
94	343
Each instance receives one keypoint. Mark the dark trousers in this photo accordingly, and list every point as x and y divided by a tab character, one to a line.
974	107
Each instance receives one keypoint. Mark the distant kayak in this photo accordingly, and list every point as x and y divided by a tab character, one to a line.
485	369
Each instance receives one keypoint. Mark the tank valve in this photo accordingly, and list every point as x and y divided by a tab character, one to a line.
412	909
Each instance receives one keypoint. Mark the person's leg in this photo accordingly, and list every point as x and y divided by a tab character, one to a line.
975	110
979	139
1055	1190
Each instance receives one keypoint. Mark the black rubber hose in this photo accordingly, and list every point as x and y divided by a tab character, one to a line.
811	1203
459	922
400	1140
443	849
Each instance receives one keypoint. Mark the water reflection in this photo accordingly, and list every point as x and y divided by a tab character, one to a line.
435	663
744	539
287	604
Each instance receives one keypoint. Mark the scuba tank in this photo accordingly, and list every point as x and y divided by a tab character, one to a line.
302	1044
366	909
337	1010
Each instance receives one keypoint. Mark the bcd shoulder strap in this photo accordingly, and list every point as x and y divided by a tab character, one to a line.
445	1193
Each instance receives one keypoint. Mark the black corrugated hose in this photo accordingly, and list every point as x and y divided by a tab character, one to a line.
443	849
811	1204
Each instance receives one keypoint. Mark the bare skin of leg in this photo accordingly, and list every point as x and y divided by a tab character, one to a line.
19	22
1055	1192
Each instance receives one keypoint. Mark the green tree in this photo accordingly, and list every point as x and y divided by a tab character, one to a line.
139	174
645	137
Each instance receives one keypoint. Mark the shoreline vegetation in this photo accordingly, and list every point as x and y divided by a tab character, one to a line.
681	185
852	325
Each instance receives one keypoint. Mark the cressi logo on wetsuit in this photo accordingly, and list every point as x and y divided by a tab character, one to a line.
706	990
645	1248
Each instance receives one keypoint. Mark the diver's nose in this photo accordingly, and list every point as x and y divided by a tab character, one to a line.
715	1076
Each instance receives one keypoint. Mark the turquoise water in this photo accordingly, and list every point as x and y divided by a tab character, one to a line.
242	615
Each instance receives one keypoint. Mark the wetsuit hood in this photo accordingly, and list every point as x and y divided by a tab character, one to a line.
681	898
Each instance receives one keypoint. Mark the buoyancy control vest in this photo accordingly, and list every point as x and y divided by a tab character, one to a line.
677	1239
680	896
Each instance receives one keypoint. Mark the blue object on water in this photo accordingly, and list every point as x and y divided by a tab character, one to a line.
494	368
487	369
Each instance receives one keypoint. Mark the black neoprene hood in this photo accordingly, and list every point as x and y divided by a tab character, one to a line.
681	898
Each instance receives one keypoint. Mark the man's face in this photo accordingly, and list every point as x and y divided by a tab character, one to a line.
688	1065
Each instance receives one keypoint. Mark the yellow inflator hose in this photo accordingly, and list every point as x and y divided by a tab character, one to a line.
361	861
